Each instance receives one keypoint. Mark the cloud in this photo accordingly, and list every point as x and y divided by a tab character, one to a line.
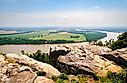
72	18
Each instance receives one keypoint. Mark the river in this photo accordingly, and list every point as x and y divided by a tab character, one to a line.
31	48
110	35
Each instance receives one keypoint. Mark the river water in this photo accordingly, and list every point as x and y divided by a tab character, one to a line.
31	48
110	35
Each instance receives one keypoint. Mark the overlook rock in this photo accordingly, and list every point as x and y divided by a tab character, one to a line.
84	59
21	69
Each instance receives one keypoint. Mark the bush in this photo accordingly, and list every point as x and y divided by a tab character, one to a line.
100	43
113	77
60	81
74	36
39	56
64	76
73	81
120	43
2	53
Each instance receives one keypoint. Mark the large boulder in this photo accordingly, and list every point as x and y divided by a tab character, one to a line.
15	73
84	59
118	56
13	70
39	66
42	79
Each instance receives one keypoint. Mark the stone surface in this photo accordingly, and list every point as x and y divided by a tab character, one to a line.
39	66
18	69
84	59
41	79
118	56
15	73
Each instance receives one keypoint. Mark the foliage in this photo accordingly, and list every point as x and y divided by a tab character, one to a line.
99	43
114	77
73	79
74	36
30	41
93	36
39	56
109	43
23	52
61	79
120	43
2	53
110	78
123	36
64	76
90	35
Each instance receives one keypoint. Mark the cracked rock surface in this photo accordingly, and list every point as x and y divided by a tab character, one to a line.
19	69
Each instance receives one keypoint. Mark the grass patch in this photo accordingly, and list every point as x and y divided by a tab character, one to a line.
61	37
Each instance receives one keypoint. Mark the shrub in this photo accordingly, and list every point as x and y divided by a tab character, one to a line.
64	76
113	77
120	43
39	56
100	43
60	81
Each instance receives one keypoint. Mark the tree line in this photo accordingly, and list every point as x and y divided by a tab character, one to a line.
7	40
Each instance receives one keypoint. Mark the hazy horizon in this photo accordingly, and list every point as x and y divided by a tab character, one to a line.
77	13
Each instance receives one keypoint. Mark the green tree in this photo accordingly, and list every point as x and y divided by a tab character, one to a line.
23	52
100	43
123	36
39	56
120	43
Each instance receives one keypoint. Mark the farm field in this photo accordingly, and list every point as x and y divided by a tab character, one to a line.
57	36
24	35
41	37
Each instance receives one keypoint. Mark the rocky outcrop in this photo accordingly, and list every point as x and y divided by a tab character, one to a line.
15	73
118	56
39	66
84	59
22	69
73	59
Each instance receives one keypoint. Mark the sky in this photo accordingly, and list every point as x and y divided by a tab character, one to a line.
63	13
